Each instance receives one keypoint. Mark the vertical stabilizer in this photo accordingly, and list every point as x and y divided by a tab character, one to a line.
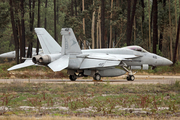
69	42
48	44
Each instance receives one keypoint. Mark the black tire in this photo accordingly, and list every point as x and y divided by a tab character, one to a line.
130	78
72	77
97	76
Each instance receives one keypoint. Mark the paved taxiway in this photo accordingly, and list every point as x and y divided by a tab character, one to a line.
140	79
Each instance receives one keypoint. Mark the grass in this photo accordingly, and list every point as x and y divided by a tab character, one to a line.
81	118
62	100
88	100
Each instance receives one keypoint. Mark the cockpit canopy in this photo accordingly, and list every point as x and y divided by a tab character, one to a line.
136	48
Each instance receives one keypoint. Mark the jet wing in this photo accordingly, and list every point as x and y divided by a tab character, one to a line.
111	57
103	56
60	63
27	63
103	60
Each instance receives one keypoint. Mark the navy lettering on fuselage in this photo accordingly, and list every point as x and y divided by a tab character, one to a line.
101	64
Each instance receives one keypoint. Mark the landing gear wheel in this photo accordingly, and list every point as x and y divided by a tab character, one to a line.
97	76
72	77
130	78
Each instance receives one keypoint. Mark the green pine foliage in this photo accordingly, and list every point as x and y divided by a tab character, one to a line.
65	18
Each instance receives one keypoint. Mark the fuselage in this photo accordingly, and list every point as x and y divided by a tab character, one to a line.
144	57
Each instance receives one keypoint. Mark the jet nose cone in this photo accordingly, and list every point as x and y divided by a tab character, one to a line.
165	61
168	62
161	61
8	55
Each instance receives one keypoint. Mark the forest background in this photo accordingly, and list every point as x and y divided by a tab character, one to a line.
151	24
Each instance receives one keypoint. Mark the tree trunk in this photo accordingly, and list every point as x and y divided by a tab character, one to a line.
83	25
162	29
161	39
72	8
134	29
176	45
22	45
97	34
45	19
14	31
32	21
176	21
75	5
38	25
178	51
100	45
142	3
142	23
130	20
110	42
152	8
103	41
170	35
31	15
175	2
155	27
92	28
149	25
55	34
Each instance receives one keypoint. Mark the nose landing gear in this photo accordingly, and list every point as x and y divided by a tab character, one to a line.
130	76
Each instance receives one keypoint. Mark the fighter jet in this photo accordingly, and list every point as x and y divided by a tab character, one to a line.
96	63
12	54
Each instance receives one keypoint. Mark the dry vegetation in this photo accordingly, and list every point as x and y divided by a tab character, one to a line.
86	101
90	100
81	118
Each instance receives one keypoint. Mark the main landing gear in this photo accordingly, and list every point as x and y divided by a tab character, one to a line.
75	75
97	76
72	77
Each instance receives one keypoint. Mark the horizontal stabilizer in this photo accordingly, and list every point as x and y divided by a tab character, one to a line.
60	63
22	65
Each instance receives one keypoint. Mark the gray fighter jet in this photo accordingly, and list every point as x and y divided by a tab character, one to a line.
12	54
92	62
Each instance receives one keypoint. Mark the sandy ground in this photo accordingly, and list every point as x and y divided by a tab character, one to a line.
140	79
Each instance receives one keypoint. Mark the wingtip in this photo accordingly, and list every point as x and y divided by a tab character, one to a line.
9	69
